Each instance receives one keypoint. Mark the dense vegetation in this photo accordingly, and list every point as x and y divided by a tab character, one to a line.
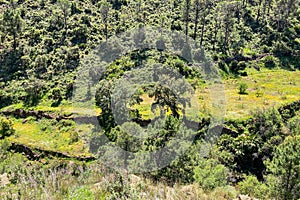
44	153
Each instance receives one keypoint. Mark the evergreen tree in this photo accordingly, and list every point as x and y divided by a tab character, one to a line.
65	7
105	9
285	165
11	24
186	16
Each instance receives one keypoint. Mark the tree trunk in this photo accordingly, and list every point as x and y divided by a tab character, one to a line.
186	28
215	34
65	28
269	7
187	14
202	32
196	20
106	31
15	41
238	10
65	22
258	11
264	10
289	8
226	37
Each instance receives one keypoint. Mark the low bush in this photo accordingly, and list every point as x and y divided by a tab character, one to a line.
243	88
209	174
270	62
251	186
6	128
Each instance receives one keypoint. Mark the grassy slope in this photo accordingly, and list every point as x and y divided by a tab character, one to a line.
277	87
44	135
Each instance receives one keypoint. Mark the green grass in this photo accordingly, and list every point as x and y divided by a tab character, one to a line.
145	107
276	87
43	134
265	89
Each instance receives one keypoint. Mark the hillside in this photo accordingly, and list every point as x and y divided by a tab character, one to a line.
172	99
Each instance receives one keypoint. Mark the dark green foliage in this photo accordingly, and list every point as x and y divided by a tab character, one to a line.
163	96
34	92
42	43
241	153
64	5
267	124
50	37
270	62
257	140
103	101
56	95
5	99
11	23
285	165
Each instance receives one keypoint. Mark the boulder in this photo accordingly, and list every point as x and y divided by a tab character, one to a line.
4	180
244	197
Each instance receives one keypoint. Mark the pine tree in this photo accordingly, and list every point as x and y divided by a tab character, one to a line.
65	6
286	166
105	9
12	23
186	15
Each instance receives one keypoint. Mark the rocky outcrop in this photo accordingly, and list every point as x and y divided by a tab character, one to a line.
21	113
34	153
4	180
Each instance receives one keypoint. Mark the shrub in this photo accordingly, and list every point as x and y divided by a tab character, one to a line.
270	62
282	49
234	66
66	123
5	98
74	137
6	128
251	186
34	91
209	174
56	94
81	193
267	123
294	125
46	125
242	65
223	66
243	88
228	192
4	147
